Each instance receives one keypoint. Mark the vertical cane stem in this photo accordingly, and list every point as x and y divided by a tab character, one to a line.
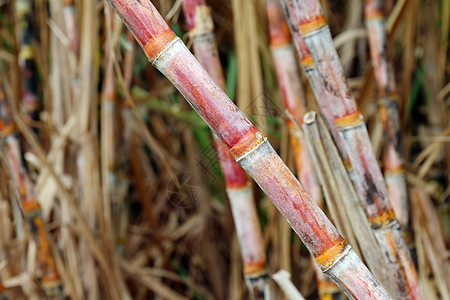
368	179
389	112
238	187
290	84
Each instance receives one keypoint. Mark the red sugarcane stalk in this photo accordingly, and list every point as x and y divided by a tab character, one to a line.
238	187
389	111
367	177
293	97
250	149
372	253
314	78
50	280
289	81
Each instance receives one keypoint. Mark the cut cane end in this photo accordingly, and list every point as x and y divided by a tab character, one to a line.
310	117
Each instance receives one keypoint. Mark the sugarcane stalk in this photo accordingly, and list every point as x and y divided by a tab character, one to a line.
30	100
326	177
313	75
50	280
367	177
389	112
250	149
238	187
319	138
369	245
289	81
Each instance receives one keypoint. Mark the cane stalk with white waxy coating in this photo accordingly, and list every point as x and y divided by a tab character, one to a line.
289	80
389	111
371	251
313	75
338	185
251	150
50	280
290	84
367	178
238	187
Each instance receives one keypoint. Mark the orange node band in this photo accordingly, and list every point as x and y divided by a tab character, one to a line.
313	24
236	185
307	61
280	36
394	170
349	120
279	42
254	267
383	219
328	257
157	44
373	15
383	112
7	129
251	139
30	205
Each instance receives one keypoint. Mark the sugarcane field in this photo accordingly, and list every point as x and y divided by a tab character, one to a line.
207	149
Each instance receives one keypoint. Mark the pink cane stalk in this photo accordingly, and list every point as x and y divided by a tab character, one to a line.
372	252
290	84
250	149
314	78
389	112
367	178
293	97
50	280
238	187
